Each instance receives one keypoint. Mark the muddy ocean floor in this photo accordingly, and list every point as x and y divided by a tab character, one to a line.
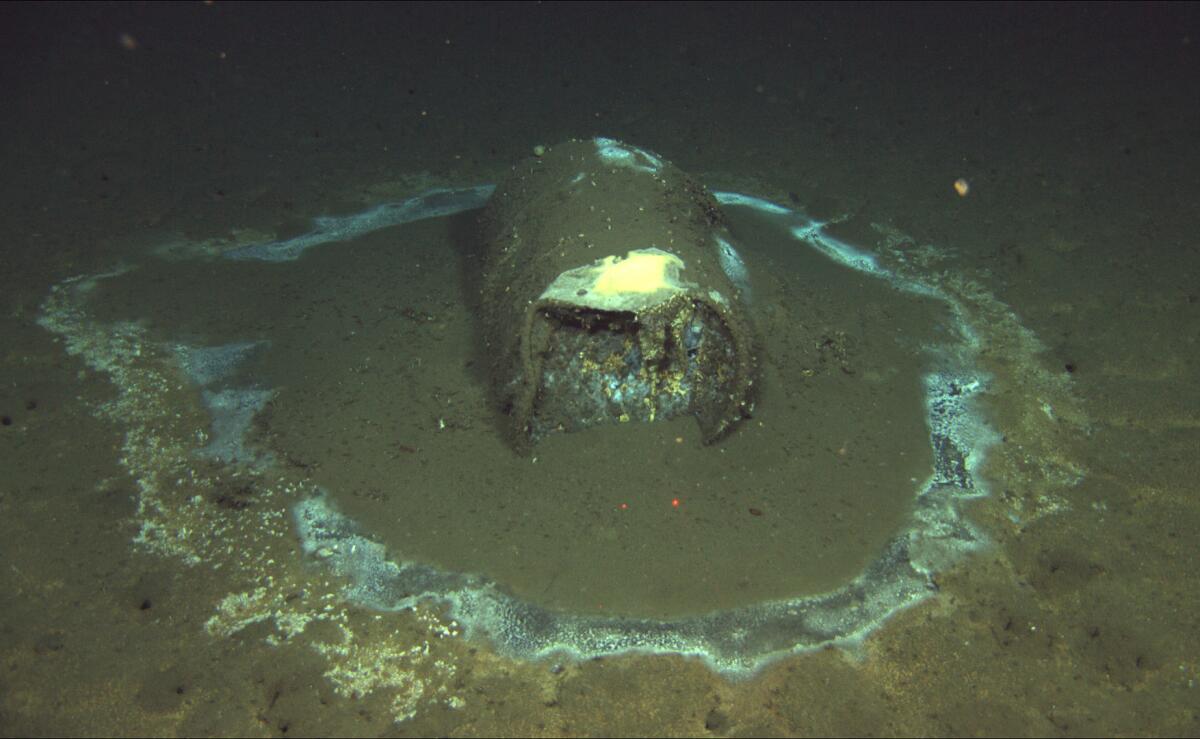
147	590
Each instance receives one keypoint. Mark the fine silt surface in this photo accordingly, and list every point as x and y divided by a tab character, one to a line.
1022	181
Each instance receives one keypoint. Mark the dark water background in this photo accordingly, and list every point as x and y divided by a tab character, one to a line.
1078	127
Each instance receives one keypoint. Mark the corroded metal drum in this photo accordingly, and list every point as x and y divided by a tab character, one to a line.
612	293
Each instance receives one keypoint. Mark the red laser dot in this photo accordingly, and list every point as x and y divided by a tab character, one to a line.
623	506
674	502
